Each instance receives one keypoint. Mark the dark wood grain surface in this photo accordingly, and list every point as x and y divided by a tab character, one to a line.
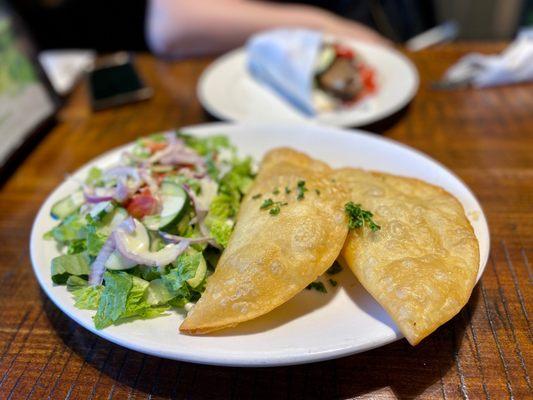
484	136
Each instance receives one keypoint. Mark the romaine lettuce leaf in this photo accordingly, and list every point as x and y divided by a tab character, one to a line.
113	299
71	228
206	145
136	305
85	297
94	176
69	264
95	241
124	296
219	229
226	204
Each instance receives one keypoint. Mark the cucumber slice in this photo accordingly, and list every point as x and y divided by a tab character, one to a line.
200	274
101	209
113	219
138	241
68	205
158	293
117	263
152	222
174	201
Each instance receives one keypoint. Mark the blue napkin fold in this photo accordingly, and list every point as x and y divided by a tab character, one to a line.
284	60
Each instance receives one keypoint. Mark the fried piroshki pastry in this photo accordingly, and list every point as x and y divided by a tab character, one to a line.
421	266
290	228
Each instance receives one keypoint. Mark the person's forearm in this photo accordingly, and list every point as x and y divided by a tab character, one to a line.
190	28
186	28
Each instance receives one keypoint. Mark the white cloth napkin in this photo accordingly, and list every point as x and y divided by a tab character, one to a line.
284	60
64	67
513	65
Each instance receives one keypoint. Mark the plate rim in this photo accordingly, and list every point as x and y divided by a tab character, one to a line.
201	91
231	359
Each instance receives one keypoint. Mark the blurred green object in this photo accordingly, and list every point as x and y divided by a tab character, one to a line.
16	70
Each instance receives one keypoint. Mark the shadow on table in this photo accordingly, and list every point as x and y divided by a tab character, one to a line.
397	369
379	127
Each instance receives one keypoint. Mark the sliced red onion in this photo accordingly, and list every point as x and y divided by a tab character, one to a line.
200	211
177	239
182	157
172	138
122	192
96	276
177	154
128	225
164	152
200	175
160	258
150	181
122	171
94	198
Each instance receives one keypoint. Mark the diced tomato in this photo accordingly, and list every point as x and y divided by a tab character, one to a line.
142	204
155	146
368	78
343	52
160	177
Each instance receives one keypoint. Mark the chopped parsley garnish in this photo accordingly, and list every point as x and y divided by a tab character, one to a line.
275	191
334	269
274	210
317	192
318	286
266	204
359	217
287	189
300	187
255	197
332	282
273	207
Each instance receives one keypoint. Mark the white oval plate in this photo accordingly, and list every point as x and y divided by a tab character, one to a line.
310	327
228	91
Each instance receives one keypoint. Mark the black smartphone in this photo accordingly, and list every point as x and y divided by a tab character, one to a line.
115	82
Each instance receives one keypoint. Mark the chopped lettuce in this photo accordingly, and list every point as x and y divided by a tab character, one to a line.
88	297
69	264
172	287
220	230
141	291
70	229
75	282
206	145
137	305
113	300
224	207
85	297
94	177
95	240
123	296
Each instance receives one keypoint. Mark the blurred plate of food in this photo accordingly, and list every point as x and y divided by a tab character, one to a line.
300	75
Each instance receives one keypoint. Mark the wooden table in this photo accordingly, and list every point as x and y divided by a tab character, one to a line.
486	137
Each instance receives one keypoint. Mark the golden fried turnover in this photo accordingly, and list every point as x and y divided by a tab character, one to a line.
421	266
290	228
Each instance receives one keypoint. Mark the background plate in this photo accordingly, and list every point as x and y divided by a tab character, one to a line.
227	91
311	326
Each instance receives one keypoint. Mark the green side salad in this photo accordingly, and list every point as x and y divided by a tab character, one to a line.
140	237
